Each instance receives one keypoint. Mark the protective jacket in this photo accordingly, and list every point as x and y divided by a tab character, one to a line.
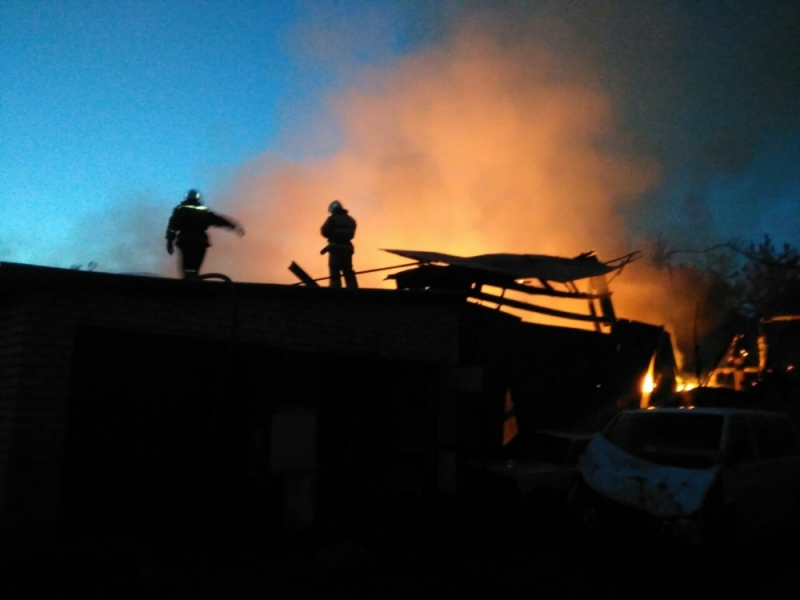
339	228
189	222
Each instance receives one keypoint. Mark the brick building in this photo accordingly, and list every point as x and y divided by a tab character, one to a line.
131	404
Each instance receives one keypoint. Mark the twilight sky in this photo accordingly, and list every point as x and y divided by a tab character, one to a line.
549	127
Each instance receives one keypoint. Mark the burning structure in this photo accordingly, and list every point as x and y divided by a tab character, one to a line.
757	369
139	406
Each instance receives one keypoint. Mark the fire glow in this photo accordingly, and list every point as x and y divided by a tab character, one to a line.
477	146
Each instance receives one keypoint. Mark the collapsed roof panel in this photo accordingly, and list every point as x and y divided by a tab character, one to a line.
525	266
515	272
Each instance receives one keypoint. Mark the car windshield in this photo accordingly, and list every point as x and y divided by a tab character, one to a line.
682	439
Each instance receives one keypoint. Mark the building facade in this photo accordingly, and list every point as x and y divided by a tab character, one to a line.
146	406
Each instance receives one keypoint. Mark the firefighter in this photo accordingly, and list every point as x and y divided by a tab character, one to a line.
187	228
339	229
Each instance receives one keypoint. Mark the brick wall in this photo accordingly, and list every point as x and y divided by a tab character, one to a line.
12	319
41	309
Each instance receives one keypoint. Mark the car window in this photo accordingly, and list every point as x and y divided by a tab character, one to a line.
685	439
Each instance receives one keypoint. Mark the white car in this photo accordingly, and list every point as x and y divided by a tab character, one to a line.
691	475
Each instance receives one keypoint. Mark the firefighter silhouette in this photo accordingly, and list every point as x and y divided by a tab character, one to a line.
187	229
339	229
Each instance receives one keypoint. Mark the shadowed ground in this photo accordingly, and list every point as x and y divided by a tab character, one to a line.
450	550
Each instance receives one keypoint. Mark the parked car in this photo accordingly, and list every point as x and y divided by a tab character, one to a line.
691	475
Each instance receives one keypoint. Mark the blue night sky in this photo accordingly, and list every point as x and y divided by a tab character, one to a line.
469	127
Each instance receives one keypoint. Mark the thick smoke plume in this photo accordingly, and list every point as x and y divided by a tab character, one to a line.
477	146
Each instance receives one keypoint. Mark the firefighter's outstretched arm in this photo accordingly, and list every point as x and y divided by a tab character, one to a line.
238	229
219	221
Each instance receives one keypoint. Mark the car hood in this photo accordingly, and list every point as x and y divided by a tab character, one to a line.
660	490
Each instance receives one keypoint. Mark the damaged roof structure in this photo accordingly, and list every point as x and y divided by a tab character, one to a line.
137	405
531	274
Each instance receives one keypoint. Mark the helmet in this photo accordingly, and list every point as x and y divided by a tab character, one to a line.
192	197
335	205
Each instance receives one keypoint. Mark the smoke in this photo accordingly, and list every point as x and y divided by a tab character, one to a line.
479	145
469	148
530	128
128	237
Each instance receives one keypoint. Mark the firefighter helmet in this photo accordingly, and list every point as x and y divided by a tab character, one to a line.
335	205
192	197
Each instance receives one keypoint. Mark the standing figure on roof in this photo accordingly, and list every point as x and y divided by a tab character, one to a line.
187	228
340	229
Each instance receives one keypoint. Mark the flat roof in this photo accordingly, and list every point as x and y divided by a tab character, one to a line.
27	276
